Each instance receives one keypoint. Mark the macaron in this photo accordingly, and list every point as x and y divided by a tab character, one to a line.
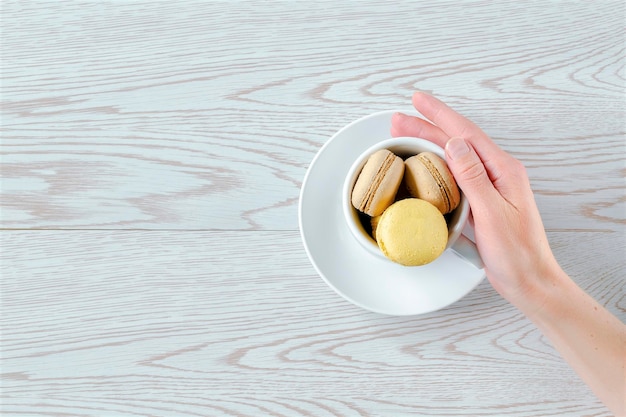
428	177
412	232
374	223
378	182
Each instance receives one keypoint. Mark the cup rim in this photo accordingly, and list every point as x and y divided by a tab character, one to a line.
351	216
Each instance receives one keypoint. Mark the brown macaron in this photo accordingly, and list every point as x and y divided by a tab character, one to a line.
427	177
378	182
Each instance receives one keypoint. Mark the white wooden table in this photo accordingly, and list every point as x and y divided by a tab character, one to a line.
152	157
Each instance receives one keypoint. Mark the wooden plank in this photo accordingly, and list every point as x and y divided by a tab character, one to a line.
206	115
237	323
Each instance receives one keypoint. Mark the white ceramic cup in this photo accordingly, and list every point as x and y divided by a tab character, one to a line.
406	147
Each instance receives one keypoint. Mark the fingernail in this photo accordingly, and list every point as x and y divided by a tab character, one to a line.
457	147
398	116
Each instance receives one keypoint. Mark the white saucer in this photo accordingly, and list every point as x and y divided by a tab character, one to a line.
367	281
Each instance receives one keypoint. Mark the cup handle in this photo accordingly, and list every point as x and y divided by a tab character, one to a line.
467	250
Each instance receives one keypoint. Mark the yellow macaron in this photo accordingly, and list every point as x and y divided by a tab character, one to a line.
412	232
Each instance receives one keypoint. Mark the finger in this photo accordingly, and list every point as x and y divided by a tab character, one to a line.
511	180
471	175
448	120
470	219
404	125
454	124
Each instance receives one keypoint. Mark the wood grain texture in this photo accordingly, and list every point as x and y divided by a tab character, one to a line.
206	115
161	146
160	323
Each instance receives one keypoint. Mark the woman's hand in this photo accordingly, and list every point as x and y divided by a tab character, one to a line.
513	245
508	229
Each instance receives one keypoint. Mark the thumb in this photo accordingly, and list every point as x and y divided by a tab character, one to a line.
469	173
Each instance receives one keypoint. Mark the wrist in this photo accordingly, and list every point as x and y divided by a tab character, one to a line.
587	336
543	293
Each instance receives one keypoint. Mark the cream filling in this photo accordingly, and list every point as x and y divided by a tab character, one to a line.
377	180
441	183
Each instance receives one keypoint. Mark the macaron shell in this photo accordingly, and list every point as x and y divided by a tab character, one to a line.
412	232
374	223
428	177
377	184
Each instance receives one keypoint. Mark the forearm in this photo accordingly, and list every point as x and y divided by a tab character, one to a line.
510	236
589	338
